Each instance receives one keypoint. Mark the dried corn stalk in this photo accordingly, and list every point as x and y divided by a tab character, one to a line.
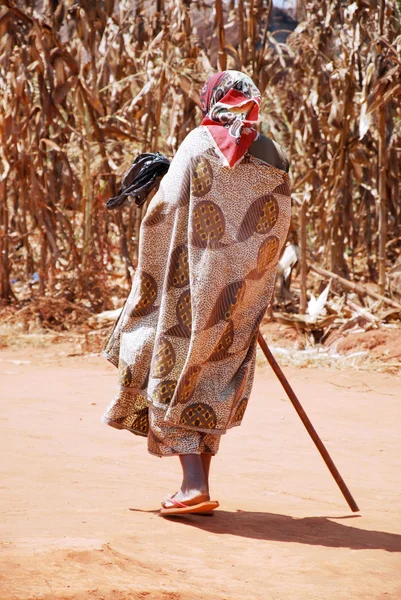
85	86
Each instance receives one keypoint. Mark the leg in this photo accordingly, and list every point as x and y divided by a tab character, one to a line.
194	487
206	460
194	479
195	450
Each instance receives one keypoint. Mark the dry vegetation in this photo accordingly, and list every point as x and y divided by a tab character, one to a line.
87	85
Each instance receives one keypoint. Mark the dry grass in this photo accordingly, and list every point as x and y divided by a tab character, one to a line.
324	358
86	86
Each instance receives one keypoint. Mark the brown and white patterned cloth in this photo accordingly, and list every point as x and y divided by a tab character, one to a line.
185	342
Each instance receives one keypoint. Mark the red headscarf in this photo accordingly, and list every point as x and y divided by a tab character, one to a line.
230	105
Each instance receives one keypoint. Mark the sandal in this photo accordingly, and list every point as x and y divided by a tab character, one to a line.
180	508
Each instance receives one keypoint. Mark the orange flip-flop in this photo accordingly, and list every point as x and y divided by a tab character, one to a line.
180	508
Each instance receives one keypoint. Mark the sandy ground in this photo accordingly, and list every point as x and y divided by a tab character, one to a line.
79	499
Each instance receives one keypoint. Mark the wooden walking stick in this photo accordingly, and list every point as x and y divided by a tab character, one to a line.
309	427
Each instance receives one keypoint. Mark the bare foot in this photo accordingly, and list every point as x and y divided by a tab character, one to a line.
189	497
194	488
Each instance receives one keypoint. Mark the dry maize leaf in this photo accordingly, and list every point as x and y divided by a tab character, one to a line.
156	40
50	144
65	56
146	88
360	156
59	68
189	88
180	36
375	98
139	114
365	120
394	71
116	133
6	168
91	96
357	168
61	91
392	93
232	52
8	126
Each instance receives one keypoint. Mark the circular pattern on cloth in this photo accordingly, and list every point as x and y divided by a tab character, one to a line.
208	224
267	253
147	295
199	415
240	411
164	359
153	443
178	273
156	215
141	422
202	176
224	343
255	329
227	303
164	391
187	385
283	189
184	310
261	217
124	374
268	215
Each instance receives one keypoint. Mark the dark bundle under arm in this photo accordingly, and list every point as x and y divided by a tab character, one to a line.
144	174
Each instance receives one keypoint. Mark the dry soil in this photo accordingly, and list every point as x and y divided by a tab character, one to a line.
79	500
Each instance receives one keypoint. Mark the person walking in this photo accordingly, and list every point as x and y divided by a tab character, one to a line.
185	342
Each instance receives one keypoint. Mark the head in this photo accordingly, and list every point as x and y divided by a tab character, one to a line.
229	95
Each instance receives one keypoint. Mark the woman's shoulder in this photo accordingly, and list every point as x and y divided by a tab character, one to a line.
270	152
194	143
193	136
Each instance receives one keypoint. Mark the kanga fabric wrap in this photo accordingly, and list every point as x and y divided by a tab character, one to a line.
185	343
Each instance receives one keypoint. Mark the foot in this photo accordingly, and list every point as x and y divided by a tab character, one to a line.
194	488
188	497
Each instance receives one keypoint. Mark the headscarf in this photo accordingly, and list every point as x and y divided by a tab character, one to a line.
230	105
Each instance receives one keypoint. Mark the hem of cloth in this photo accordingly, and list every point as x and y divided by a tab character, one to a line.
266	164
220	432
179	454
199	429
233	425
108	357
134	391
121	427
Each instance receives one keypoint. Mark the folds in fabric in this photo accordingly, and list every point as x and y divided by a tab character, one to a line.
210	243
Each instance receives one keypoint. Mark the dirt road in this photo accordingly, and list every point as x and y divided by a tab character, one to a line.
78	499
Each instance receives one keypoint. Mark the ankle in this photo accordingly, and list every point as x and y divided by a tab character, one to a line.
188	488
194	479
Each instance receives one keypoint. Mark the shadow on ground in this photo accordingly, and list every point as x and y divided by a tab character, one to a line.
315	531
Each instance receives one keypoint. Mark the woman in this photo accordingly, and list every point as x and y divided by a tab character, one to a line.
185	343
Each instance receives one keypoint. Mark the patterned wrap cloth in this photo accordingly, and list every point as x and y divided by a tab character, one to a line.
185	342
